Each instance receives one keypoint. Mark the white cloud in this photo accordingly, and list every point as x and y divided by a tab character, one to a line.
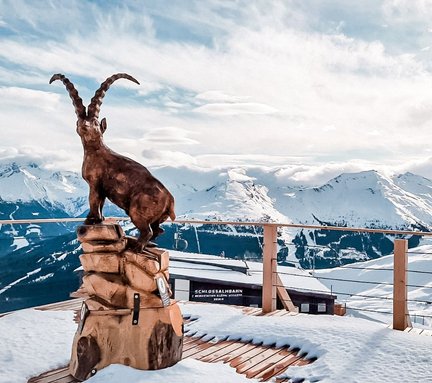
29	98
154	157
267	84
230	109
219	96
407	10
53	159
147	87
169	135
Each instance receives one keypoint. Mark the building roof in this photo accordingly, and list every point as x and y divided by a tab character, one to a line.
223	270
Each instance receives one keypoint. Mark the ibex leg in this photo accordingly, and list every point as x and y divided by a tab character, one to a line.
96	201
146	233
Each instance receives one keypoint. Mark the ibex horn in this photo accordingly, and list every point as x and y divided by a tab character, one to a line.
73	93
96	101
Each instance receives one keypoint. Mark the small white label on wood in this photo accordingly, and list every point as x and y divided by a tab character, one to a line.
163	291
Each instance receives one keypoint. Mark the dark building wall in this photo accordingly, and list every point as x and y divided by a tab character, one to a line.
250	295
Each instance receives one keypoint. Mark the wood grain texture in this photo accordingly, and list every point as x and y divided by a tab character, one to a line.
155	342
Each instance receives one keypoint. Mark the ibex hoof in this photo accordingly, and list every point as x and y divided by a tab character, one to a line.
92	221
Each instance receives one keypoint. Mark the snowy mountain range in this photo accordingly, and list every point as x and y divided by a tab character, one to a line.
367	199
45	255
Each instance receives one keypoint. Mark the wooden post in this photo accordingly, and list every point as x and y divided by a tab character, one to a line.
269	269
284	296
401	318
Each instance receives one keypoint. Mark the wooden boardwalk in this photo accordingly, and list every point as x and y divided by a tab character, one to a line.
257	361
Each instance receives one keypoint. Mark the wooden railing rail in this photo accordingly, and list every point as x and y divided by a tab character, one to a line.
234	223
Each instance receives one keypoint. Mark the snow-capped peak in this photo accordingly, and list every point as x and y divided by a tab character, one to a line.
366	198
27	182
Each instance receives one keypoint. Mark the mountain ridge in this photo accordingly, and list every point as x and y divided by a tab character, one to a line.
367	198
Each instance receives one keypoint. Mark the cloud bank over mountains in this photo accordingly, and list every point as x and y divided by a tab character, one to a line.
316	88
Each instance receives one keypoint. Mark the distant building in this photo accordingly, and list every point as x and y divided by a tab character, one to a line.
207	278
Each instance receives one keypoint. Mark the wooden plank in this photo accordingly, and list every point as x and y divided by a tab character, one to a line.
188	339
303	362
280	367
283	295
246	365
195	350
209	350
256	313
193	344
269	363
72	303
55	376
246	347
246	356
66	379
222	352
250	310
50	375
270	314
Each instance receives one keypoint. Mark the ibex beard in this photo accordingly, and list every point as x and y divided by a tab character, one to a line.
125	182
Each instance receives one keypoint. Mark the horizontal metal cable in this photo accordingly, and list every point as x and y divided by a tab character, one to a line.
419	271
369	310
385	312
337	279
357	295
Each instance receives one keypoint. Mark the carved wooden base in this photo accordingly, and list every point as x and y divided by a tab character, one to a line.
155	342
128	318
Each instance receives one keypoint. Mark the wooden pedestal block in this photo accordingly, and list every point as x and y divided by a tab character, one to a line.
104	246
129	318
101	232
155	342
112	289
102	262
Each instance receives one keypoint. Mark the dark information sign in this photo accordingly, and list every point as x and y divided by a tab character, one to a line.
204	292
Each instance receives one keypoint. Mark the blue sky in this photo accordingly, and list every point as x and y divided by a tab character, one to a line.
316	87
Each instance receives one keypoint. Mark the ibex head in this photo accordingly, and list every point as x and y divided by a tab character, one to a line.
88	126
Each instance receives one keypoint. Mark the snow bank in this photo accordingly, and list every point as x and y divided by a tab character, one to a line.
188	370
33	342
348	349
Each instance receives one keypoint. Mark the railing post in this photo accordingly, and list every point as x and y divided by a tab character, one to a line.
269	269
401	318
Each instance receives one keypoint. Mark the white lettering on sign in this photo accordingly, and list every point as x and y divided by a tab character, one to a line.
217	294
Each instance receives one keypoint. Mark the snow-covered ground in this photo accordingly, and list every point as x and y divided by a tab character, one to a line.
348	349
380	271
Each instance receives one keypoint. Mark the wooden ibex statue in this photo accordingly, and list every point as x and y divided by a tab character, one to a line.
123	181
